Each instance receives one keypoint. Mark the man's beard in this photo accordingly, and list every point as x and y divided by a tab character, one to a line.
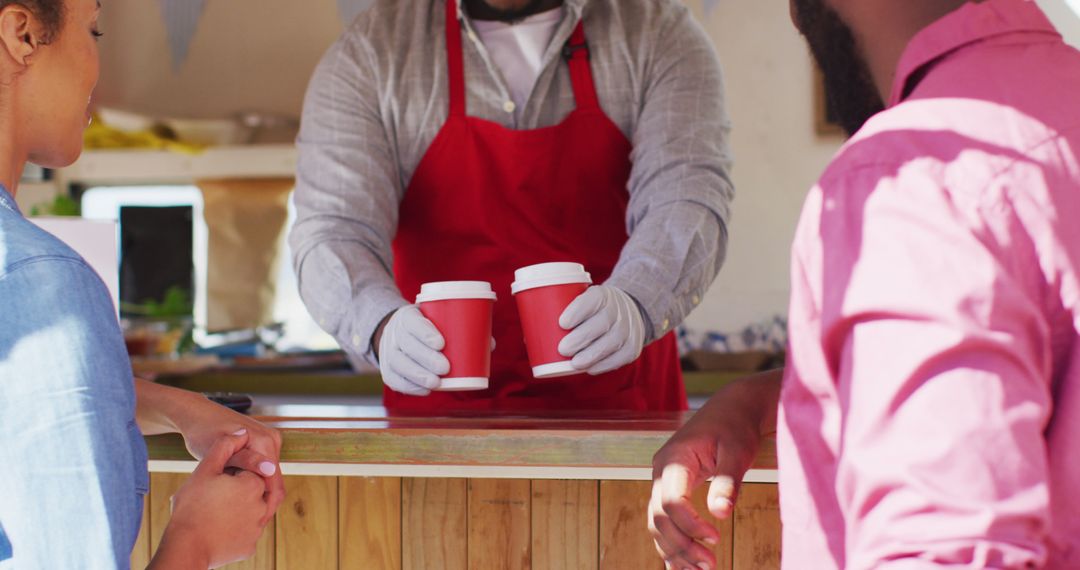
851	94
512	15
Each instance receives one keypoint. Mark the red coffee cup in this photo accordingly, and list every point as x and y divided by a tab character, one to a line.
542	293
462	312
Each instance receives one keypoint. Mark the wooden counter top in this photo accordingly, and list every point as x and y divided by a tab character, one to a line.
346	382
358	440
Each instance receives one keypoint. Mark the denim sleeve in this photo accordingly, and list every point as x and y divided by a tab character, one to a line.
5	545
72	462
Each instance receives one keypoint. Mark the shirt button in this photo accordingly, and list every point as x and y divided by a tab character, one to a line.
695	299
356	340
664	325
509	106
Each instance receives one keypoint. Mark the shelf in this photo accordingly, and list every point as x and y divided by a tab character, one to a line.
137	166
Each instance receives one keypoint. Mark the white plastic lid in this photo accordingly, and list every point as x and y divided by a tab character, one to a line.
547	274
462	384
446	290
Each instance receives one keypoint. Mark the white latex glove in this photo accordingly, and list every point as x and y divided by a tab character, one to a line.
607	331
410	353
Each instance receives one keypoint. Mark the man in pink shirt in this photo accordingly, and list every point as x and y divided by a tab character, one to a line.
930	413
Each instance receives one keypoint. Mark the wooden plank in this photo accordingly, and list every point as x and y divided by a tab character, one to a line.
625	541
499	526
757	527
162	487
306	534
265	557
565	525
140	554
433	530
369	523
723	549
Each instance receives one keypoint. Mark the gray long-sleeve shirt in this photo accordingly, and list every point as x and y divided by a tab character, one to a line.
380	96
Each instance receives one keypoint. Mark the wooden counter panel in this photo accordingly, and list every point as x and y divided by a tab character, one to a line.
434	531
565	524
369	534
459	524
500	521
757	527
307	524
625	541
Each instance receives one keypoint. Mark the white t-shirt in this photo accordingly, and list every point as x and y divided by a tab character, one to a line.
517	49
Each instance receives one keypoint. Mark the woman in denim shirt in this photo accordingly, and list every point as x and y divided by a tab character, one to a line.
72	458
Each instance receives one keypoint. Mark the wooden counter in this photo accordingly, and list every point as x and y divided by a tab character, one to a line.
347	382
557	490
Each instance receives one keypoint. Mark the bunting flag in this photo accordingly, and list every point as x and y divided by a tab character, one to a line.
181	22
349	9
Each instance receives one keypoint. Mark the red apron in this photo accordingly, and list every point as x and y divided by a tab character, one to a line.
486	200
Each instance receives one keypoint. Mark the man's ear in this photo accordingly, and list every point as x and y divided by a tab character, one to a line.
20	33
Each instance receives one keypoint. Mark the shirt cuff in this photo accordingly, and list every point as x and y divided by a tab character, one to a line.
362	320
663	310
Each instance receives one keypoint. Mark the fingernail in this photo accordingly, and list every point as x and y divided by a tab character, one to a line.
723	485
240	431
711	541
721	504
703	565
267	468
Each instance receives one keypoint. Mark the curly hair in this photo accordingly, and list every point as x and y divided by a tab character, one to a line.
50	12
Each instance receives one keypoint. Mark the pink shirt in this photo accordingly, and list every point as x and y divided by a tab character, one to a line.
930	415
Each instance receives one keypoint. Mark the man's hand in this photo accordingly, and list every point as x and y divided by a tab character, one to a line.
720	442
217	517
607	330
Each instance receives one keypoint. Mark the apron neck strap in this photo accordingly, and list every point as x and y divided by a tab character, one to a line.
576	53
455	63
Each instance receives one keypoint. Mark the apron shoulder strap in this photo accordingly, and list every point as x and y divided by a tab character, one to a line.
454	60
576	53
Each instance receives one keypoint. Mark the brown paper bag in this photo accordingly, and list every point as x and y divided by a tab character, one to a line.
246	223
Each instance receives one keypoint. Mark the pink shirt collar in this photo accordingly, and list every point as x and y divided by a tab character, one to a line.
971	23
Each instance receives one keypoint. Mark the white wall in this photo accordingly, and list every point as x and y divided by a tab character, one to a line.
1063	13
778	156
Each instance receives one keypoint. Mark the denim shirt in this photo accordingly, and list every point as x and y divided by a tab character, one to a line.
72	460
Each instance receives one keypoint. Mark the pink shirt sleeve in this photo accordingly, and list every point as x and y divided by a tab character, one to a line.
941	359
